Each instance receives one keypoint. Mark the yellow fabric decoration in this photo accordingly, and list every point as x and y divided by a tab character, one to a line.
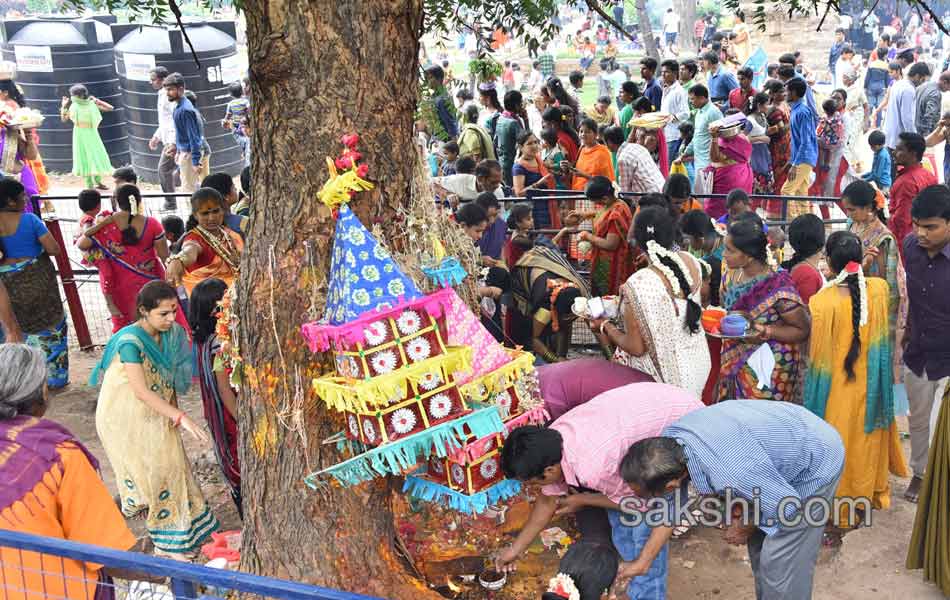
336	190
437	249
500	379
357	395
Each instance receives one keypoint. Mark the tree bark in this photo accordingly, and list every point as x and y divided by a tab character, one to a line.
686	9
319	69
646	30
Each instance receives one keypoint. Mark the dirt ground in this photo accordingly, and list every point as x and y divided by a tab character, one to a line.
869	564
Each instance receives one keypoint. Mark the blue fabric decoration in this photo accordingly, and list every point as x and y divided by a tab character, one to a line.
449	272
429	491
396	457
363	276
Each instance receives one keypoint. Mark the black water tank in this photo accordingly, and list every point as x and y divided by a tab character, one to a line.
138	48
54	53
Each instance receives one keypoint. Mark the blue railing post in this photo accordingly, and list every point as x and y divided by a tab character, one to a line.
183	590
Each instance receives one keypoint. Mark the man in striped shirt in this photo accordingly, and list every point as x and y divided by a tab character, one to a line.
575	464
774	453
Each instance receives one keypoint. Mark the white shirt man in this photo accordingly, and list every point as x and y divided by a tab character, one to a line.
676	103
164	137
464	186
671	22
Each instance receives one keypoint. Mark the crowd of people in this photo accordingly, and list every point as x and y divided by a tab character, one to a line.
674	177
673	208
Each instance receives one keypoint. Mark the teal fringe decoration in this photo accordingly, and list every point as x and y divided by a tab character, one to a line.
397	457
449	272
429	491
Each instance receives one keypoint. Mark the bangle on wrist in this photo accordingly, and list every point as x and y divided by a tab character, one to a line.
603	329
177	257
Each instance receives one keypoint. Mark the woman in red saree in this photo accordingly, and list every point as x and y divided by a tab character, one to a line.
612	257
134	246
778	119
208	249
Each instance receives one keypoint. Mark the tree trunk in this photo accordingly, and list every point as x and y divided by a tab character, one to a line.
646	30
686	9
319	69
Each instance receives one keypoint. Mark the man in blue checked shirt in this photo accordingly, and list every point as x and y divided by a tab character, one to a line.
778	453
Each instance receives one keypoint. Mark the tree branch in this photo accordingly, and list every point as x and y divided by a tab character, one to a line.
595	6
173	6
936	19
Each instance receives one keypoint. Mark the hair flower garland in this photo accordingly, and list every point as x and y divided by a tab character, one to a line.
562	585
655	251
853	268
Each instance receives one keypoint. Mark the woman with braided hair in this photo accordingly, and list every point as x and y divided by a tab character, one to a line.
806	234
849	380
660	306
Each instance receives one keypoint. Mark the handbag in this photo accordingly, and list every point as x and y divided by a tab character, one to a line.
678	168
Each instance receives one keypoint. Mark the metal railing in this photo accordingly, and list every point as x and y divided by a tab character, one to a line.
34	567
90	323
574	195
89	315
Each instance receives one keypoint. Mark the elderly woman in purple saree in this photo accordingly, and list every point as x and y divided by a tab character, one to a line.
51	487
731	170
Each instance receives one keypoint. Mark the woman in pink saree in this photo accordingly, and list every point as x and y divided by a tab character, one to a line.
730	153
134	247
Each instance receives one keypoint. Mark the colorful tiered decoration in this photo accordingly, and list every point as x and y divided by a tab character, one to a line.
470	478
395	370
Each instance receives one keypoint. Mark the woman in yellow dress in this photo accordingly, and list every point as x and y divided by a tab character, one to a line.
849	381
743	41
144	369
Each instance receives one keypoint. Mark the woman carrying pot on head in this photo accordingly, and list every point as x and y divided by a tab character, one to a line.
730	153
33	176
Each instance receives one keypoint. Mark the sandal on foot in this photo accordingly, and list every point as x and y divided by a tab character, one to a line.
913	489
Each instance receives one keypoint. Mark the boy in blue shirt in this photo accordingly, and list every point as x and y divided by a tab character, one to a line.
880	173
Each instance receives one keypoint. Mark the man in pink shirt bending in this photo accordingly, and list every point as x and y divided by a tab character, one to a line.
576	461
